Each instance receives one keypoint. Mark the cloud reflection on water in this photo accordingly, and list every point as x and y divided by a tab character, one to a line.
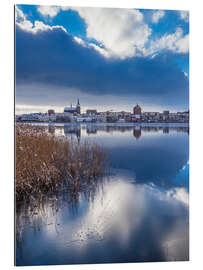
142	222
139	214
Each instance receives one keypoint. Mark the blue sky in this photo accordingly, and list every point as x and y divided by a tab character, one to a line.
109	58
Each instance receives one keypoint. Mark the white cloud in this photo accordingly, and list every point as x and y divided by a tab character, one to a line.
122	32
100	50
175	42
184	15
80	41
19	14
179	194
92	45
183	44
157	15
28	26
38	25
50	11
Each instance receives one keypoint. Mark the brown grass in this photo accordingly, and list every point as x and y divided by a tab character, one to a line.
46	164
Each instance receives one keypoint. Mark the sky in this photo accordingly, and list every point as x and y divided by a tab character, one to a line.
109	58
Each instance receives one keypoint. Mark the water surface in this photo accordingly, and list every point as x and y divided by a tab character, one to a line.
139	213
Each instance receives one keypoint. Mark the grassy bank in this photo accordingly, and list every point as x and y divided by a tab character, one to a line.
46	164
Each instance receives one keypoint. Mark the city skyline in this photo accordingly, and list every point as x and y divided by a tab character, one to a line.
75	114
62	54
84	109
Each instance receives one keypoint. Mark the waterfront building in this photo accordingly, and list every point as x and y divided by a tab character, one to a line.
80	119
64	117
136	118
78	107
91	112
137	110
52	116
101	117
121	120
51	112
72	109
111	117
73	114
43	117
166	113
29	118
151	116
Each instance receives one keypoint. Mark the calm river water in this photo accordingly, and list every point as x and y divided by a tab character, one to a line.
140	213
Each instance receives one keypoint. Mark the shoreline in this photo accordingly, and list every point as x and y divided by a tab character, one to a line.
142	124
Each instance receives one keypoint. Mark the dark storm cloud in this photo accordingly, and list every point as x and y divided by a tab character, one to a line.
53	58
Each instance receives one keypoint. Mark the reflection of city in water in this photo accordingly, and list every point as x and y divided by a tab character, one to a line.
75	130
138	213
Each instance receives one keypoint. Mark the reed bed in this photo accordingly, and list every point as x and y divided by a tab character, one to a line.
47	164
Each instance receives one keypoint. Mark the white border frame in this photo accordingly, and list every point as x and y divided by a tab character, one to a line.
7	130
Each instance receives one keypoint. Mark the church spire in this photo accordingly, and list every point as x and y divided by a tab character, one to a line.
78	107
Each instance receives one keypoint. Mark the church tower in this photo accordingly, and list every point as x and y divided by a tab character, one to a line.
137	110
78	107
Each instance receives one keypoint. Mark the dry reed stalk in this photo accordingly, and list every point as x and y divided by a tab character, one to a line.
45	163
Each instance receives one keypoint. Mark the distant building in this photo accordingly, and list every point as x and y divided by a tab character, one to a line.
29	118
78	107
151	117
43	117
72	109
137	110
136	118
121	120
166	113
91	112
51	112
52	116
63	117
